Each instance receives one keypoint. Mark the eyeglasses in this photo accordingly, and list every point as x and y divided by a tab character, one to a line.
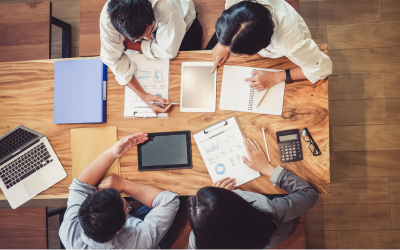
313	147
128	206
152	31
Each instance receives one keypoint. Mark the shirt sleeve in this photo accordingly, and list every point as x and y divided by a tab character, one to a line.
159	219
168	39
70	225
112	51
301	198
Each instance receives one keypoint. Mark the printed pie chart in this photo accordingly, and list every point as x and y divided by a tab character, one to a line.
220	169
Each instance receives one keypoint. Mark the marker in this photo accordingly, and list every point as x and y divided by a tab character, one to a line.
160	103
266	146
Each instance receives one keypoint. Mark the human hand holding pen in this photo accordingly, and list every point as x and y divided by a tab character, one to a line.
159	108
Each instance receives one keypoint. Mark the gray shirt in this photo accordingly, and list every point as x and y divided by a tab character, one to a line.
300	199
135	234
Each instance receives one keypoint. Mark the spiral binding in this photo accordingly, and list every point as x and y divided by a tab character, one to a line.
250	108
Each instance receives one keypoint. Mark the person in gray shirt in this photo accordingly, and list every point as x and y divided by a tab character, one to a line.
222	217
98	217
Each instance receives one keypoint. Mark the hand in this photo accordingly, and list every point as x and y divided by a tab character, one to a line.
226	183
157	109
258	161
220	54
122	146
265	79
113	181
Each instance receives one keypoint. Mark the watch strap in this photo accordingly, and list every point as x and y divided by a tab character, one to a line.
288	77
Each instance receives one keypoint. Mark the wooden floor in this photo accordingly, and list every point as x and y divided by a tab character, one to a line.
363	37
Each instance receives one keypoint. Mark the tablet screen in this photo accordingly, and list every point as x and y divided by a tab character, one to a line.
198	87
168	150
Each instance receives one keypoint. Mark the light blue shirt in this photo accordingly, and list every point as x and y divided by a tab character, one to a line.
135	234
300	199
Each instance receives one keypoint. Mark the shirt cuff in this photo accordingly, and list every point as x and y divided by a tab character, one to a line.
277	176
311	77
146	49
78	185
164	198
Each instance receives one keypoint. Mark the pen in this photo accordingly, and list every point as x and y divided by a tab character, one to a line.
160	103
266	146
266	92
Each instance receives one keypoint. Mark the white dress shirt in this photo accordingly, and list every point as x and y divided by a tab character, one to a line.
292	39
174	18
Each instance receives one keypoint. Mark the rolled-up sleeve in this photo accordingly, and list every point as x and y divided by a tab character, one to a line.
315	64
159	219
112	50
168	38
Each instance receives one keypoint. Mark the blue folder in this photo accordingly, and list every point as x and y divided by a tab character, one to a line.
80	91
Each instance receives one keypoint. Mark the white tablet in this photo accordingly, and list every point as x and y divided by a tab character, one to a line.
198	87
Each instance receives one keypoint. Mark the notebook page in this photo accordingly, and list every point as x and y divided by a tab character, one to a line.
273	101
235	92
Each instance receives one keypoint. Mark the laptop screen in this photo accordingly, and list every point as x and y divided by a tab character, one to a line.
15	140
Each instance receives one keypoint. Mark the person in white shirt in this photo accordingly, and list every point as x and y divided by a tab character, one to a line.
156	28
273	29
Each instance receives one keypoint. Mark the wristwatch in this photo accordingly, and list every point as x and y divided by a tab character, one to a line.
288	77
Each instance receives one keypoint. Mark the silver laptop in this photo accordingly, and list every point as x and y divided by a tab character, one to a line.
28	165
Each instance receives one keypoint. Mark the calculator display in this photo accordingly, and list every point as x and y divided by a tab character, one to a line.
288	137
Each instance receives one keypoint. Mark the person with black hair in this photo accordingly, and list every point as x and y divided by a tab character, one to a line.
273	29
223	218
156	28
97	217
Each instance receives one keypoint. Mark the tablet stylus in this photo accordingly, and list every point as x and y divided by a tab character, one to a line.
160	103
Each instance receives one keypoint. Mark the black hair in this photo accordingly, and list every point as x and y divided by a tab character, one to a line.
245	27
102	215
222	219
131	17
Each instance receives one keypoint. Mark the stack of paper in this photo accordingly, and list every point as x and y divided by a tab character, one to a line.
89	143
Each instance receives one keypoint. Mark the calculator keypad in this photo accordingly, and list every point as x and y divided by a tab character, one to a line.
290	151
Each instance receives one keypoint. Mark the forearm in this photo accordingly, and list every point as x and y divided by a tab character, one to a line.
136	87
134	46
95	171
142	192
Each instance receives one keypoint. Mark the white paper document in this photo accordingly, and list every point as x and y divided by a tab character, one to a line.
222	148
237	95
153	76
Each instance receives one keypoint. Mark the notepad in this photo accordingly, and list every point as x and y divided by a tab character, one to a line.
237	95
80	88
89	143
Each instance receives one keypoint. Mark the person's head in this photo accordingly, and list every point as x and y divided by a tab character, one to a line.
245	28
133	19
222	219
102	214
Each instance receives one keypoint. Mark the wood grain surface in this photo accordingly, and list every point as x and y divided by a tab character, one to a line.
25	31
89	36
23	228
26	98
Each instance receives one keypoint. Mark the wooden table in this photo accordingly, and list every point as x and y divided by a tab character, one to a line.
89	35
26	97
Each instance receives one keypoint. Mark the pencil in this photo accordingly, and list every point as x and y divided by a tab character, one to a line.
266	146
266	92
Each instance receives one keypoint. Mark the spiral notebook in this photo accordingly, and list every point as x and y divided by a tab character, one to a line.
237	95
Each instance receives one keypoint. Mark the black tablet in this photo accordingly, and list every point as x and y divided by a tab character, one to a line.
167	150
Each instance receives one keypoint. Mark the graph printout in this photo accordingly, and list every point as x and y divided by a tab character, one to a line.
153	76
222	149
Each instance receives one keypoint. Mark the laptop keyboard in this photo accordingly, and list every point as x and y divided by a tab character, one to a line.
25	165
15	140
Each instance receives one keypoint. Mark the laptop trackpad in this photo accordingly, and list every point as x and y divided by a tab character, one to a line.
35	185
